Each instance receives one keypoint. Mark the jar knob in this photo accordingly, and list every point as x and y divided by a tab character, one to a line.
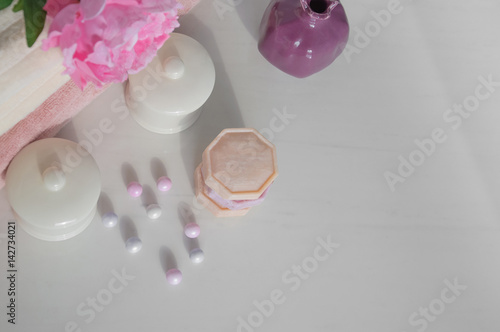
54	178
173	67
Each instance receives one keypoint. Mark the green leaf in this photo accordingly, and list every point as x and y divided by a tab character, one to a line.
34	19
18	6
5	3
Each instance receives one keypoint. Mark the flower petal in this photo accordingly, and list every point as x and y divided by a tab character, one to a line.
65	17
155	6
92	8
101	55
53	7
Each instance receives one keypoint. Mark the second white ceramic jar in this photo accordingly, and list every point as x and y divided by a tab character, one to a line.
166	97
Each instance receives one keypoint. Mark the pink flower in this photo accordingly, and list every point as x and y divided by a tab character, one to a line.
103	41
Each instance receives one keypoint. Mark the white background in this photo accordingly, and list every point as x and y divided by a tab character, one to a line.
352	122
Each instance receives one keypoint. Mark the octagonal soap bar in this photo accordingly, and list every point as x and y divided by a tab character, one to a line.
239	164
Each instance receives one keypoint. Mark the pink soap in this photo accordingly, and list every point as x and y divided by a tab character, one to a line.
239	164
236	171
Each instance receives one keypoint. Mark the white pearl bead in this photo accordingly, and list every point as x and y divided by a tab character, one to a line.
197	255
133	244
109	219
174	276
153	211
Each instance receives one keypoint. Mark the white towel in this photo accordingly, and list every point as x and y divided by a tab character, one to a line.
28	76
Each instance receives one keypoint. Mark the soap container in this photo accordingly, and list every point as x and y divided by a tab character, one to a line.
236	171
53	186
166	97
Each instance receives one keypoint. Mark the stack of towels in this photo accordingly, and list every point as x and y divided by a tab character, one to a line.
36	100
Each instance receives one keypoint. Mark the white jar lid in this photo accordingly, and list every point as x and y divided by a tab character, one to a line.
53	186
165	96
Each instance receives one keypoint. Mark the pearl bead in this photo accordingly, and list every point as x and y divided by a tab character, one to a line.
153	211
192	230
174	276
133	244
134	189
109	219
197	255
164	183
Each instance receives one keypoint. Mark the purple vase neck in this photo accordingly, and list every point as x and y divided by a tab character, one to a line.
328	4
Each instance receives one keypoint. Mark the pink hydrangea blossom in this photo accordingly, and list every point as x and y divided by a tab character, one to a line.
102	41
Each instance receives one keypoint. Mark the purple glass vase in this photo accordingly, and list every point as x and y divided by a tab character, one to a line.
302	37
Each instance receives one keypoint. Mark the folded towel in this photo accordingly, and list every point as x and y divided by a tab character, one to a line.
13	47
28	76
26	85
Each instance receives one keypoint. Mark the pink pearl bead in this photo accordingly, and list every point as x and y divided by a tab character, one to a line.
134	189
164	183
174	276
192	230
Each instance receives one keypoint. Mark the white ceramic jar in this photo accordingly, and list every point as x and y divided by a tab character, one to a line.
166	97
53	186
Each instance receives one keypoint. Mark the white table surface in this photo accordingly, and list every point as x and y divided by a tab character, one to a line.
398	251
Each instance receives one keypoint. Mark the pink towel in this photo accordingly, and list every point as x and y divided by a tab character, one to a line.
45	121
